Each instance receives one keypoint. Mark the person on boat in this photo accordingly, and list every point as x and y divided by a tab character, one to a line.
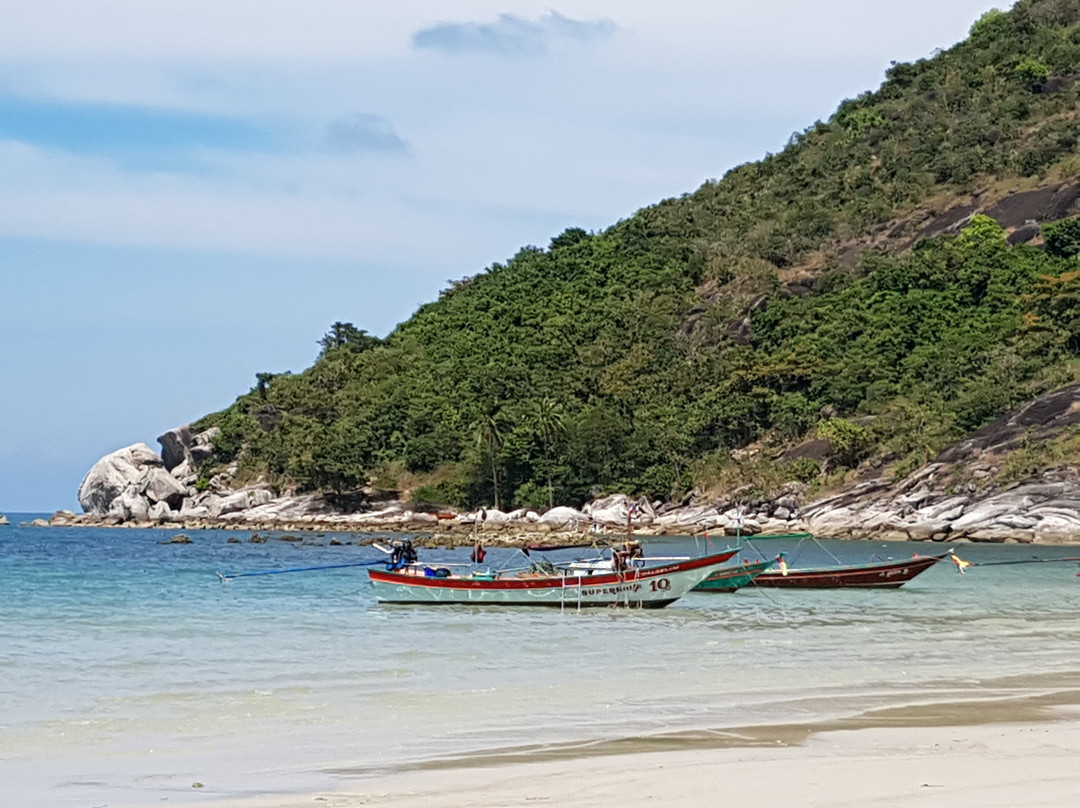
624	557
478	553
403	555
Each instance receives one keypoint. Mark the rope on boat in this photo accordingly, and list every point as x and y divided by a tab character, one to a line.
226	577
1024	561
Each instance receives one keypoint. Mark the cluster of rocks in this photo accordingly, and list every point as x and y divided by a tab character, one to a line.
959	496
610	516
136	484
929	506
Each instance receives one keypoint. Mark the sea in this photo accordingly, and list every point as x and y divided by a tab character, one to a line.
132	675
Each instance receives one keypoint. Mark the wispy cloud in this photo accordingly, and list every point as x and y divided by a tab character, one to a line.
363	132
510	34
129	133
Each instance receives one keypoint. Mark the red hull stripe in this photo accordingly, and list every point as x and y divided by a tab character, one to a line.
569	582
554	604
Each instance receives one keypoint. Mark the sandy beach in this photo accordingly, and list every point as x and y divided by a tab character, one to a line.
1007	764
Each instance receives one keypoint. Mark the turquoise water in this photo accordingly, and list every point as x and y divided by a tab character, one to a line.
129	672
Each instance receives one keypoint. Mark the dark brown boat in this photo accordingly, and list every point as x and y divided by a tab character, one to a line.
877	575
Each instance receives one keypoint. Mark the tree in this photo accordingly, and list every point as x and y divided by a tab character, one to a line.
1032	73
262	384
1056	306
1063	238
990	25
549	417
346	335
983	233
568	237
849	441
489	432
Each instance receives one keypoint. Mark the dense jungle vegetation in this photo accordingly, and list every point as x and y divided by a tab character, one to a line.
638	358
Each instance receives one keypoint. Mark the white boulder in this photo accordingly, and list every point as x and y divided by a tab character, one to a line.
242	500
157	485
112	474
563	516
159	512
130	504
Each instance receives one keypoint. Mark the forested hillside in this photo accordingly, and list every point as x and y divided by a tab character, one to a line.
793	298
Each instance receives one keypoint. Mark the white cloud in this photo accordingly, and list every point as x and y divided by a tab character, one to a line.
510	34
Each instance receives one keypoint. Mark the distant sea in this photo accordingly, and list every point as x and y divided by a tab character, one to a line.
131	675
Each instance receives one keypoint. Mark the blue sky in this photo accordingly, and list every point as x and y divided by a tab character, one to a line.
191	192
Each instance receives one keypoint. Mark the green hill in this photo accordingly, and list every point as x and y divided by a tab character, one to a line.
850	287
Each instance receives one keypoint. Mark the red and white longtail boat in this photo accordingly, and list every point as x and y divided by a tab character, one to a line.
648	587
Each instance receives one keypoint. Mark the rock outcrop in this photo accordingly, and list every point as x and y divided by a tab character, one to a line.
111	476
927	506
136	483
960	496
183	452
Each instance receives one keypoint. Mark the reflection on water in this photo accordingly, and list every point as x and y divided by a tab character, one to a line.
112	645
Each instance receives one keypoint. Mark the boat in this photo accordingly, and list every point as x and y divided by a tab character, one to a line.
735	577
648	586
875	575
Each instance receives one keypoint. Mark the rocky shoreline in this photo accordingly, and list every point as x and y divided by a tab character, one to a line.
608	519
962	496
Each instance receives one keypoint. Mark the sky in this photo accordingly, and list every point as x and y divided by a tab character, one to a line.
192	191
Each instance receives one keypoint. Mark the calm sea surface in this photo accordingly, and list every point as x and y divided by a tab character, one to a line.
129	673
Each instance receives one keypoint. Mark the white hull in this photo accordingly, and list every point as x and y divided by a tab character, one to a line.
651	587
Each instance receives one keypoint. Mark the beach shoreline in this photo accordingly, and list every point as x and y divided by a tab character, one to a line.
999	762
1007	751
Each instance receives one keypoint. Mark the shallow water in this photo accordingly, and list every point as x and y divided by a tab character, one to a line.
129	672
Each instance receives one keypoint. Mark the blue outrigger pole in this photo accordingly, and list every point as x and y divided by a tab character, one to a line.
226	577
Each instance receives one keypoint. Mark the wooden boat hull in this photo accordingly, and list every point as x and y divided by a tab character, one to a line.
730	579
647	588
884	575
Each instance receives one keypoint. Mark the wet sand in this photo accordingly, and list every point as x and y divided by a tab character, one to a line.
1010	754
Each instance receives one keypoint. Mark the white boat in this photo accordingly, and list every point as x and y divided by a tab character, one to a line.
652	586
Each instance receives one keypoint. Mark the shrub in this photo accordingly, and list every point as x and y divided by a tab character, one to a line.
849	441
804	470
447	492
990	25
1063	238
1032	73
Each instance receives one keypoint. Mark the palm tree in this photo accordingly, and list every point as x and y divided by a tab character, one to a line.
549	417
489	432
262	384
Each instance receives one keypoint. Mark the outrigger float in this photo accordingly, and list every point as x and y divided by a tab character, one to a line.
619	581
